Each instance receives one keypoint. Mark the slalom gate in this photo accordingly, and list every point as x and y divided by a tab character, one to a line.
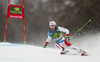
15	11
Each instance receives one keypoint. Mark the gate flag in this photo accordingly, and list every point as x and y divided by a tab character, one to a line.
15	11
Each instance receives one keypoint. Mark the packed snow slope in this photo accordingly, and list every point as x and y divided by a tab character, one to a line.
25	53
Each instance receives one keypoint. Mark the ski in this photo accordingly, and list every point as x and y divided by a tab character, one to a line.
64	52
84	54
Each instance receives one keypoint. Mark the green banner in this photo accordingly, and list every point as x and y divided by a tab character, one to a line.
16	10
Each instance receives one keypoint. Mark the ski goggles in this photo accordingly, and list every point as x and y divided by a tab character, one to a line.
51	26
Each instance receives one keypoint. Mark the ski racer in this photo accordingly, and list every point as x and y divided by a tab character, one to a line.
61	42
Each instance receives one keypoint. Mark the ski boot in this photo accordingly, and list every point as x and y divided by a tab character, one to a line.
64	52
83	53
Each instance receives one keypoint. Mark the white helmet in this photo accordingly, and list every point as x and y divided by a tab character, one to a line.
52	23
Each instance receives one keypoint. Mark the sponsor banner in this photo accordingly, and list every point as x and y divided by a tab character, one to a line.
15	11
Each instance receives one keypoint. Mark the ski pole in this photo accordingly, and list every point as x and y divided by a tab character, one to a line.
45	50
80	29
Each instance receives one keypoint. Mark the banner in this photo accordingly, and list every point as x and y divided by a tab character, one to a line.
15	11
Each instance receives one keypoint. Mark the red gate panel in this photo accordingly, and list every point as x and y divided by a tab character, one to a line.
15	11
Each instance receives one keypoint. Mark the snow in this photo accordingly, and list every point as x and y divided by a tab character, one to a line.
26	53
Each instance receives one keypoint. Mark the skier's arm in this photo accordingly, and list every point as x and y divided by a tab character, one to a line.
66	31
48	40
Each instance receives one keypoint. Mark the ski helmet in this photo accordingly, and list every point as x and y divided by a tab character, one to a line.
52	23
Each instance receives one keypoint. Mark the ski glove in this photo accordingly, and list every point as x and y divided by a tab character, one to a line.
67	37
45	45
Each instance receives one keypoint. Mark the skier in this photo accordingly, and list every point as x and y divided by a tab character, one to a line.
61	42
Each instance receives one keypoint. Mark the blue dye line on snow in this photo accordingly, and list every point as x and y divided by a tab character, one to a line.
9	59
10	45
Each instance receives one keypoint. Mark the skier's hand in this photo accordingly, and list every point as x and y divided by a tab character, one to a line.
67	38
45	45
